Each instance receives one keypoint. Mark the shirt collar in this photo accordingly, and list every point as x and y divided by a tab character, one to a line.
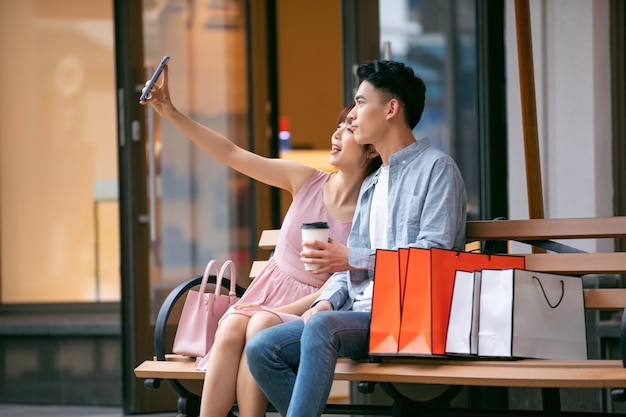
401	157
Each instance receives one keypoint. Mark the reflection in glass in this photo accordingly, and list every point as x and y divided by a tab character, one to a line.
438	40
202	207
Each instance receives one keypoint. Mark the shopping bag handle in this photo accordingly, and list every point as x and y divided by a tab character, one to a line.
546	296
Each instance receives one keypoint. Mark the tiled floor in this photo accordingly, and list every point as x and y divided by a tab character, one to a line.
25	410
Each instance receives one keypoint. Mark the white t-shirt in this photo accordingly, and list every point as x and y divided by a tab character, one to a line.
378	232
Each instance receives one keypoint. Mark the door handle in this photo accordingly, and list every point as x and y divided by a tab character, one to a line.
151	174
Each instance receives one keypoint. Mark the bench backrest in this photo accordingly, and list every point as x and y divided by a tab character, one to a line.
565	263
542	230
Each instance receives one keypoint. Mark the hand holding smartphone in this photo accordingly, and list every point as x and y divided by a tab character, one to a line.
154	78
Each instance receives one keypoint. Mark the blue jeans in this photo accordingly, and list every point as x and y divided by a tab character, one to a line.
294	363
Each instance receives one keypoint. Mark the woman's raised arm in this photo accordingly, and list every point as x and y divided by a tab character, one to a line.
281	173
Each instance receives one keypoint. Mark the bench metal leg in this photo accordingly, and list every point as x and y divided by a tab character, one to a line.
551	399
440	401
404	406
188	406
407	408
488	397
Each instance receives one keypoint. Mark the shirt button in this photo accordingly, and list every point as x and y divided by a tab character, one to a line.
404	162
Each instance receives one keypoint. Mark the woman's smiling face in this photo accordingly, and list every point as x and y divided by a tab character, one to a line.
346	153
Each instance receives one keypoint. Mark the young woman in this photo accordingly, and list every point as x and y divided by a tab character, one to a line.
283	289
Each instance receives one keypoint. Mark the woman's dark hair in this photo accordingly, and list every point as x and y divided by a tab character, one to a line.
343	116
374	163
398	81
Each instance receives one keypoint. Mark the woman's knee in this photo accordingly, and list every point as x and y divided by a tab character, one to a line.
260	321
274	341
231	331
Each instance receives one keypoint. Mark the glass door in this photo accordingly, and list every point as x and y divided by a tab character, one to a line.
58	165
179	207
198	209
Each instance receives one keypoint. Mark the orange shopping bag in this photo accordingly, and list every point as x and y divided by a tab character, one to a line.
428	294
403	260
386	302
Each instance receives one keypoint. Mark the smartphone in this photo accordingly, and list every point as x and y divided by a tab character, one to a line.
154	78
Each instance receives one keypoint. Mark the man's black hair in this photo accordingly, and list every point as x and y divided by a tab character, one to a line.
398	81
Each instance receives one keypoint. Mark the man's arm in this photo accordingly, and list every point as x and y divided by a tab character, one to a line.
442	224
336	292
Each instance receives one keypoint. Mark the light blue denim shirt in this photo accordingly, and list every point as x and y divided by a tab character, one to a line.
427	208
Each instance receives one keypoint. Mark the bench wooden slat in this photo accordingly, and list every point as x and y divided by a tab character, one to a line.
498	363
520	373
268	239
579	375
168	370
605	298
256	268
577	263
533	229
538	229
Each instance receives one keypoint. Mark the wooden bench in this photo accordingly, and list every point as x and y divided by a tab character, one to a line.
454	373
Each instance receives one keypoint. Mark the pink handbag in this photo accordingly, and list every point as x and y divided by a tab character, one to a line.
202	312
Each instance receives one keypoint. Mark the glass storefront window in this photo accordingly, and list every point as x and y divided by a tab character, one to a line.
59	227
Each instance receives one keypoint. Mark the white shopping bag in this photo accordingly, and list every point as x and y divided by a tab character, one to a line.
462	337
527	314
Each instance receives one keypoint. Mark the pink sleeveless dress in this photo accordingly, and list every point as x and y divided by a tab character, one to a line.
284	280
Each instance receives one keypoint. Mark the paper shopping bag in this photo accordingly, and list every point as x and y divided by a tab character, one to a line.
386	303
528	314
415	326
403	260
429	284
462	337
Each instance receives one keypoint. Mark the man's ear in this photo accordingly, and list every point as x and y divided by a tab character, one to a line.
393	107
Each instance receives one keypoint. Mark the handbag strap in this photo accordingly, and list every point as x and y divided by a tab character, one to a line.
207	272
233	277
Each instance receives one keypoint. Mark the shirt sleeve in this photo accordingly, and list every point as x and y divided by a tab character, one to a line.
362	258
336	292
444	209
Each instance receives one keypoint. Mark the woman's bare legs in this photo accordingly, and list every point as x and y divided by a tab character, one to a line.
250	398
218	391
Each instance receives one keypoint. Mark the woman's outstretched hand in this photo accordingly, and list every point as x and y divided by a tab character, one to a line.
159	97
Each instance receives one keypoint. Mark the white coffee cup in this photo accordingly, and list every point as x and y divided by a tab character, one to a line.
314	231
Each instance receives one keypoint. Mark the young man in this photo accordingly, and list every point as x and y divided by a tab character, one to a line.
416	199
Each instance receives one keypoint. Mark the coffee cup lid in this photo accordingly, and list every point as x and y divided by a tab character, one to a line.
315	225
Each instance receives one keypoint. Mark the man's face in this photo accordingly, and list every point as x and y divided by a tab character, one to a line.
368	115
